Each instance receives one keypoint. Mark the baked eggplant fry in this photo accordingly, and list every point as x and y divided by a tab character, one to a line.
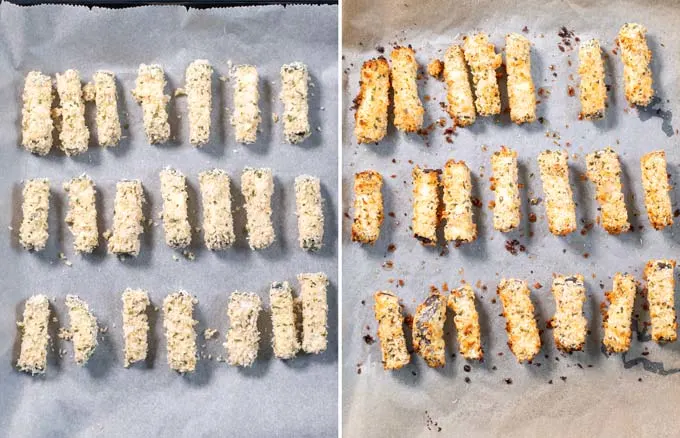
462	304
294	91
309	210
523	337
425	205
636	56
505	184
368	207
617	320
218	221
175	208
106	100
457	187
199	101
34	335
33	232
36	122
74	135
593	90
246	117
180	333
243	337
314	300
559	199
149	93
604	170
372	101
285	341
521	90
388	312
569	325
428	330
661	297
656	187
257	186
128	218
408	109
135	325
82	213
461	106
83	329
483	60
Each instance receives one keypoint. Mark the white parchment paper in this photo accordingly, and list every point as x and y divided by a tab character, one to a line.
273	398
583	394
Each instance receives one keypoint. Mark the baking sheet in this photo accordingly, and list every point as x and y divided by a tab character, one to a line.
583	394
273	398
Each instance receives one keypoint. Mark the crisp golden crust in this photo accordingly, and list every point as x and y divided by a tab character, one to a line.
408	109
636	56
36	122
593	90
457	187
425	205
483	60
388	312
617	320
372	101
462	303
661	298
523	337
428	330
604	170
34	230
559	200
505	184
656	187
569	325
368	207
521	90
461	105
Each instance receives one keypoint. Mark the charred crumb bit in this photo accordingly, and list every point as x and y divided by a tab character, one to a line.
586	255
363	302
467	368
358	368
391	247
525	29
508	380
400	283
380	49
564	378
532	217
639	379
550	382
369	340
676	213
413	373
467	379
537	285
493	368
388	265
391	214
347	215
571	91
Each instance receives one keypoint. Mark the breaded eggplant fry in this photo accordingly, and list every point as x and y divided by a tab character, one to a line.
36	122
74	135
661	297
372	101
246	117
218	221
34	335
559	199
462	304
523	337
388	312
199	100
106	100
457	188
149	93
505	184
257	186
368	207
461	105
408	109
483	60
309	210
604	170
243	337
175	208
135	325
284	328
428	330
180	334
521	90
425	205
636	56
617	320
294	91
593	90
568	324
82	213
314	300
33	232
656	187
128	218
83	329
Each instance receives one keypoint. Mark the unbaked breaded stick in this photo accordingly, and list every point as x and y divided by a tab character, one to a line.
655	184
128	218
34	335
246	117
461	105
617	321
523	337
257	186
294	91
368	207
218	221
149	93
284	329
180	335
428	330
457	185
309	212
483	60
74	135
425	205
82	213
314	311
506	210
199	100
135	325
175	208
559	199
593	90
83	329
106	100
661	297
243	337
636	56
408	109
569	325
388	312
521	90
372	101
604	170
33	232
36	122
462	304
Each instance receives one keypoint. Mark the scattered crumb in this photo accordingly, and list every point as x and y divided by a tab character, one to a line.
435	68
209	333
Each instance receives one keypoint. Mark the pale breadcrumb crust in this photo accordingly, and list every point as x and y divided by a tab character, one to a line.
106	100
661	297
521	90
636	56
428	330
457	187
218	221
468	332
128	218
83	329
425	205
408	109
246	117
568	324
523	337
505	184
243	337
82	213
593	90
656	187
388	313
149	93
285	341
483	60
314	311
36	122
34	335
33	232
604	170
617	320
175	208
294	91
257	186
372	101
309	211
74	135
461	105
180	333
199	100
135	325
559	199
368	207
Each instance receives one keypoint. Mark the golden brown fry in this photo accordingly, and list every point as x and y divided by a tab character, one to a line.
655	184
388	312
521	90
457	185
604	170
372	101
461	106
559	200
593	90
523	337
425	205
636	56
661	297
408	109
617	320
368	207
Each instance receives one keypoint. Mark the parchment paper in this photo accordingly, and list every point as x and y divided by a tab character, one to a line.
273	398
583	394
